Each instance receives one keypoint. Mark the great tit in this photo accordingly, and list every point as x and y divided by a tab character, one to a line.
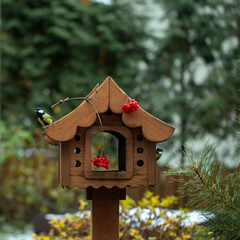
44	118
159	152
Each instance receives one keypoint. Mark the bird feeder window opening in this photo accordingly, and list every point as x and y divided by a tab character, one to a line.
111	144
119	141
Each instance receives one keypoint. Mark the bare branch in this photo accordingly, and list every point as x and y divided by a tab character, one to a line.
71	99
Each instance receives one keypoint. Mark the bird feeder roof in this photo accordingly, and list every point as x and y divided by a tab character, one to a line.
107	96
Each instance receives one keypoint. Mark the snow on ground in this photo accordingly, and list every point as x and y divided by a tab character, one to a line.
17	235
191	217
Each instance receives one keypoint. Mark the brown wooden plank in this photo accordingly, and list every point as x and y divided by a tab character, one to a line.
169	188
49	140
59	162
84	116
140	144
105	219
178	185
109	95
164	187
105	212
153	129
151	164
79	156
137	192
82	182
103	193
110	120
64	167
117	97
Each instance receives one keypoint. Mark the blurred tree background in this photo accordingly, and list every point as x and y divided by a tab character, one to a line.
176	58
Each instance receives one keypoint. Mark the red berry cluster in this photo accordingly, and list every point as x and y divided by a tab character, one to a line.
101	161
131	107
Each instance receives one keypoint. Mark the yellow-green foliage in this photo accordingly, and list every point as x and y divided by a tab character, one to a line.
132	225
29	187
135	227
28	181
72	227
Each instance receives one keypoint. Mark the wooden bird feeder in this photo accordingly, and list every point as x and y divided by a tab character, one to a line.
137	134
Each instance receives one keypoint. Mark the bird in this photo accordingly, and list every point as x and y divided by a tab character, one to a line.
44	118
159	152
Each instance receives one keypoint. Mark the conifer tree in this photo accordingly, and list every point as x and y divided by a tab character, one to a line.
55	49
192	72
214	190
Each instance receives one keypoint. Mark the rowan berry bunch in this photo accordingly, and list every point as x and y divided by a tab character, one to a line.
101	161
131	107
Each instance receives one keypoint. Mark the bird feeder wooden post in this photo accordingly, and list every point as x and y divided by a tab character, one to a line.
105	212
137	134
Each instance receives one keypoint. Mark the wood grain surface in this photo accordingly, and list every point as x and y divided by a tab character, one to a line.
107	96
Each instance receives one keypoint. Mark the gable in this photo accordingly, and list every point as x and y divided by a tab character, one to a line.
107	96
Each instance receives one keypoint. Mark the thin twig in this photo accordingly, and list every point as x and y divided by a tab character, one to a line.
127	100
100	121
71	99
88	100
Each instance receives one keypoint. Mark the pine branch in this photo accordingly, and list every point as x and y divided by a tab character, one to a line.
213	189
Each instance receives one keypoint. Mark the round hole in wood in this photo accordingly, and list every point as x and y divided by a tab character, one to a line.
77	137
77	163
77	150
140	137
140	150
140	163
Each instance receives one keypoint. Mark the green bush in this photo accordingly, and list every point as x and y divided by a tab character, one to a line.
29	179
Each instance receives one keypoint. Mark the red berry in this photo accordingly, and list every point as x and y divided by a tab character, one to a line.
131	107
124	106
107	160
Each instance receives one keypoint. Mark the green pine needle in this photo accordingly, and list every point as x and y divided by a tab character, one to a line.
213	190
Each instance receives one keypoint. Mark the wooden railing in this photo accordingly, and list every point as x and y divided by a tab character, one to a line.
165	186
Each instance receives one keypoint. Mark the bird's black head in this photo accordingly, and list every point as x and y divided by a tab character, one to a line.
159	150
39	111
